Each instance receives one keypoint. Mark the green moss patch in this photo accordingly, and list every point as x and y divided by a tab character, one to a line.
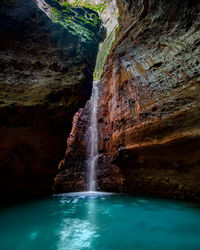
80	21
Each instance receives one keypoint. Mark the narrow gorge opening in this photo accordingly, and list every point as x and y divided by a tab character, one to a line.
108	14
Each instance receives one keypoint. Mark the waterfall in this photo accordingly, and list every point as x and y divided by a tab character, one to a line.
93	139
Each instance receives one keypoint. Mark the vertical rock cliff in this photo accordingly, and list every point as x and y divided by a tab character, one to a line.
46	73
150	99
149	123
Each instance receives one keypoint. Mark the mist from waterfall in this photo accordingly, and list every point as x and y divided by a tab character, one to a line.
93	139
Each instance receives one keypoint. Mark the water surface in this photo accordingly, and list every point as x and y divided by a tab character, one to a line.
100	222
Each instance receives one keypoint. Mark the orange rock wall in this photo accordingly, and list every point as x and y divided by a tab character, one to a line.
149	107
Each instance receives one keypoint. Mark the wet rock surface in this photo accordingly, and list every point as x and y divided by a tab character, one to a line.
45	77
148	114
72	173
72	170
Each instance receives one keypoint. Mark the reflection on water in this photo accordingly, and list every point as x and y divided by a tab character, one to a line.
75	234
98	221
78	233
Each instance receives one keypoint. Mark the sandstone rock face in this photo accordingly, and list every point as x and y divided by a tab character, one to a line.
45	77
149	123
150	99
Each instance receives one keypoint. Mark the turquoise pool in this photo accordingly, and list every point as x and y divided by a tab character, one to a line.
100	221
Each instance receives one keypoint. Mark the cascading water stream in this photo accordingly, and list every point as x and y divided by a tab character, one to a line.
93	139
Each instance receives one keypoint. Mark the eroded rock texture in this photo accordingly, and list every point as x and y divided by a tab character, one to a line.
73	169
150	99
149	123
45	77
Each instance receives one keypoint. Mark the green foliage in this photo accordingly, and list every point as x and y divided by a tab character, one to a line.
78	20
100	8
102	55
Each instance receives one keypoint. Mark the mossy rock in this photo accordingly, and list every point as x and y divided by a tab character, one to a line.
79	21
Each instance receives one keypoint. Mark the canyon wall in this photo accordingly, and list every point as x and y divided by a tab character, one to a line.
149	107
148	114
45	77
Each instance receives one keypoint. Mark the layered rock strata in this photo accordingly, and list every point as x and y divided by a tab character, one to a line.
149	123
45	77
150	99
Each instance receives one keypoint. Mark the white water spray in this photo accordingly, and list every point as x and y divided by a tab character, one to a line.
93	139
